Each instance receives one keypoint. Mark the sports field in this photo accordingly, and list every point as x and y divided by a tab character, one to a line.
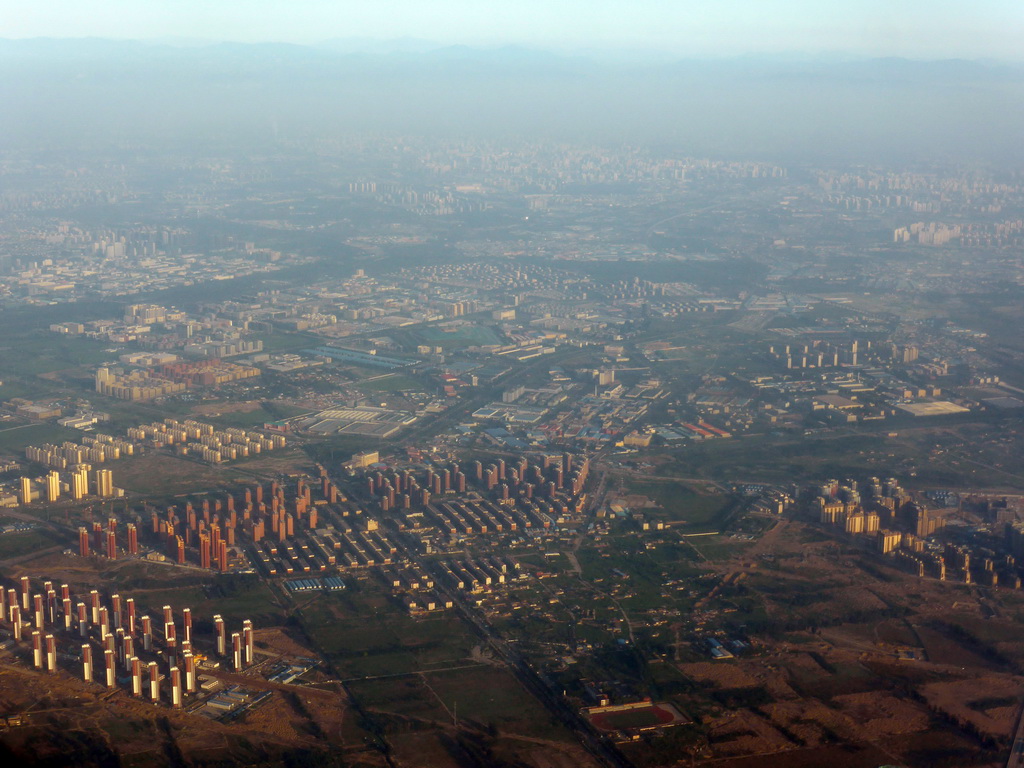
635	716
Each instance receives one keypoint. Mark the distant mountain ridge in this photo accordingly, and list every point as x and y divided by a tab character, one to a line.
419	52
764	106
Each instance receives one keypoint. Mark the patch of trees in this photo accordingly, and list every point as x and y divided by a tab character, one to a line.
973	643
742	698
946	720
776	626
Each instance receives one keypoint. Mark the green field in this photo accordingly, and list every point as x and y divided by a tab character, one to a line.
678	502
18	388
457	338
13	439
44	352
158	474
719	547
233	597
366	633
256	418
288	342
392	382
646	571
488	695
15	544
790	457
478	695
407	695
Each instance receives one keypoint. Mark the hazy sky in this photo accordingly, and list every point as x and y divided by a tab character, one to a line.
913	28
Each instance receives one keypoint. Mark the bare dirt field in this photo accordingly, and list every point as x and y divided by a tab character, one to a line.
855	663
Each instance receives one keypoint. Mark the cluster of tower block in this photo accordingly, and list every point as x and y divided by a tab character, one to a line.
104	540
212	527
504	481
115	643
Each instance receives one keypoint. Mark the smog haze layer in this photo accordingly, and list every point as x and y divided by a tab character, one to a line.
76	93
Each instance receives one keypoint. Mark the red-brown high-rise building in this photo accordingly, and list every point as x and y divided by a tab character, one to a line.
115	611
26	588
119	645
175	687
222	557
112	545
204	550
190	673
154	682
129	650
133	539
37	649
221	634
83	542
247	642
108	665
87	663
16	622
136	676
